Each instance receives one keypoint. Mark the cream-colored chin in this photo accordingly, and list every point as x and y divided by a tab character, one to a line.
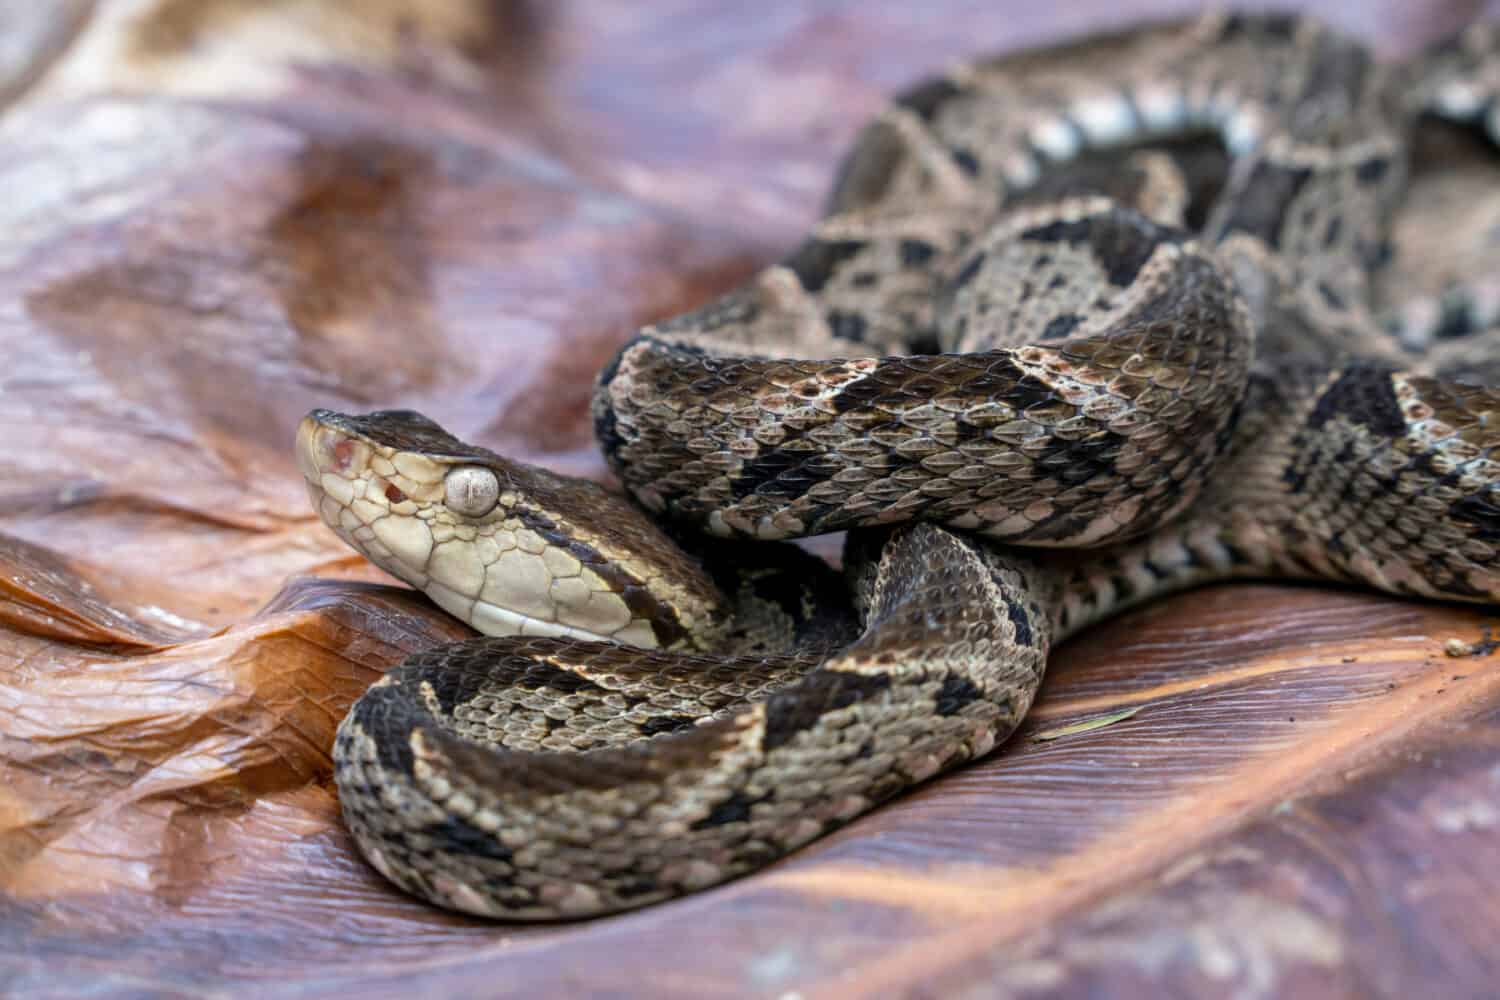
491	619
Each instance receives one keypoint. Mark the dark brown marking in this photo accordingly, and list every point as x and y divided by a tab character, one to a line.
1060	326
1121	243
1362	395
459	671
1259	207
800	707
1277	27
865	174
667	724
1021	391
1334	231
387	714
781	472
1455	320
469	839
815	261
926	98
1372	170
1017	615
734	809
848	325
1482	512
916	253
956	692
970	269
1330	295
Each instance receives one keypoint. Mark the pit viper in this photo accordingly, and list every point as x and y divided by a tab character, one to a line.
1078	327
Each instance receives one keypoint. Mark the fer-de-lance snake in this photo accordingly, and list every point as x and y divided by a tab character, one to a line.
1165	306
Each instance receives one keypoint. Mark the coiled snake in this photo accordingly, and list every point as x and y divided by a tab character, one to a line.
1159	299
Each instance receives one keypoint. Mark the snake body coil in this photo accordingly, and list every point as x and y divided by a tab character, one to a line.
1156	298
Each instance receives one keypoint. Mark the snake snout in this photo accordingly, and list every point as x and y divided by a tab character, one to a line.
323	449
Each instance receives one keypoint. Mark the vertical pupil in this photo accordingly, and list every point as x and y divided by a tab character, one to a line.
469	490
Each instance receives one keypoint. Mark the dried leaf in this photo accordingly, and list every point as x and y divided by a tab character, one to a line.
222	213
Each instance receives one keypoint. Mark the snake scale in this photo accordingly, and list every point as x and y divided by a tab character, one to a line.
1080	327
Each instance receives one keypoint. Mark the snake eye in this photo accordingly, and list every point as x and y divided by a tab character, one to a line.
471	490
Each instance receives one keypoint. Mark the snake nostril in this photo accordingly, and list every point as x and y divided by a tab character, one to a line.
343	454
393	493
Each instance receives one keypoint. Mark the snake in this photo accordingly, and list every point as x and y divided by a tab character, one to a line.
1078	327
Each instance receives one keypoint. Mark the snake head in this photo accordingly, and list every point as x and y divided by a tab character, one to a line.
510	548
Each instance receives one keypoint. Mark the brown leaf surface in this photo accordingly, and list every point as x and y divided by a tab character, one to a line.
221	213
